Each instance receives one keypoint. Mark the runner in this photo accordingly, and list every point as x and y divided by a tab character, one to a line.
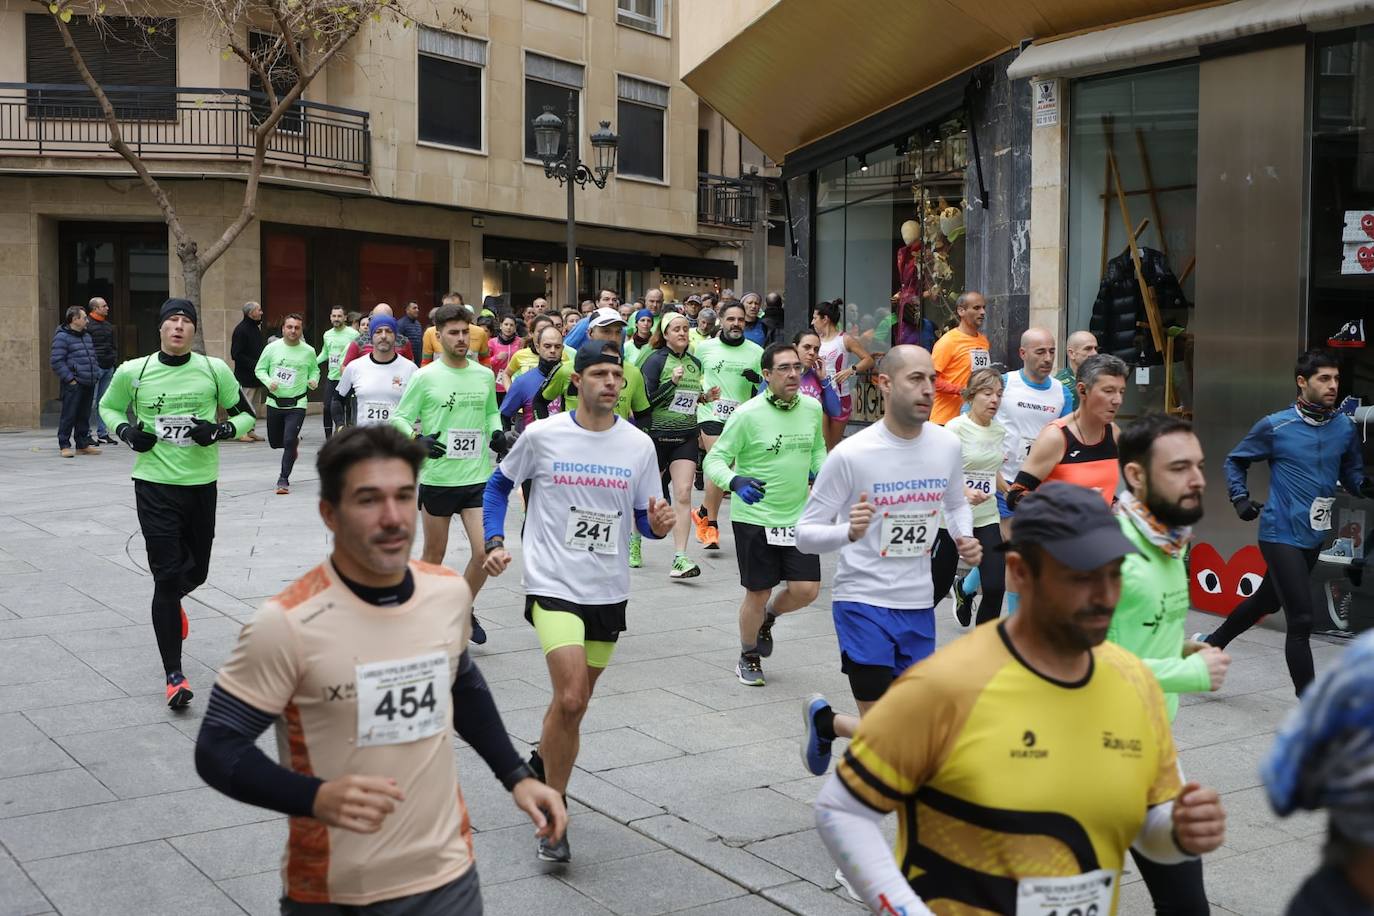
1079	346
518	407
878	501
981	438
175	395
836	349
958	354
378	379
451	405
673	381
772	443
1080	448
754	328
362	665
593	474
732	364
637	347
429	347
288	368
1042	752
333	346
506	345
1161	461
1310	447
815	381
363	342
606	325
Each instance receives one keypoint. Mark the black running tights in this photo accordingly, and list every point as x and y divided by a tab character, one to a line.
944	564
1176	890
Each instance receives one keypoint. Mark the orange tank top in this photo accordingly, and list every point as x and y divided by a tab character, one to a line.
1093	466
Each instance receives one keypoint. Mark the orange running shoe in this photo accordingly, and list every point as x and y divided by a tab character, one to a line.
185	623
701	522
711	540
179	692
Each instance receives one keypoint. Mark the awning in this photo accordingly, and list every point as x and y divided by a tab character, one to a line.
789	72
1182	35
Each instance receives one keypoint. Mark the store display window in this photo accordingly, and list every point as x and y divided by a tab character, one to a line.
517	283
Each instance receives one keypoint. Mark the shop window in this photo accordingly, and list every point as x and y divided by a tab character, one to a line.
516	283
642	112
396	274
121	51
450	88
285	277
1134	139
553	83
641	14
269	50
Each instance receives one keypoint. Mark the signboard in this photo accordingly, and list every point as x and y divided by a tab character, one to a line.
1357	243
1046	102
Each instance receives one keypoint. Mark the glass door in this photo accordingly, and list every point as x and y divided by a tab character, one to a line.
123	263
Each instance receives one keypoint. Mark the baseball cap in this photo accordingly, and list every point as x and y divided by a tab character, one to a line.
1072	523
694	298
596	351
605	316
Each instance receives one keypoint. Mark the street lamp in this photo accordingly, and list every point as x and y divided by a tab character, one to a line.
551	131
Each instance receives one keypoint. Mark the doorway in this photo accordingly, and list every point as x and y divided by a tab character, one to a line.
123	263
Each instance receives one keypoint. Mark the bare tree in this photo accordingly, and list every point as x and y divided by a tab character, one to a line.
305	35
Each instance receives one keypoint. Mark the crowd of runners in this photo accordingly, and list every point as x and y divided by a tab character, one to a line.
1023	760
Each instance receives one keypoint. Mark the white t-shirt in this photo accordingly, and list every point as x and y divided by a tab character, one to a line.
587	486
913	482
836	357
378	386
1024	411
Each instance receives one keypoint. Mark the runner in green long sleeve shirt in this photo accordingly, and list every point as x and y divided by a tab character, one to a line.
451	404
164	406
333	345
633	403
771	447
287	368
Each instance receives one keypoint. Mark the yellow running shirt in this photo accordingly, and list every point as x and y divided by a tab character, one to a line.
999	774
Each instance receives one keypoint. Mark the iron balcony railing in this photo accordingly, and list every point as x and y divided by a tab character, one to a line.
730	202
181	121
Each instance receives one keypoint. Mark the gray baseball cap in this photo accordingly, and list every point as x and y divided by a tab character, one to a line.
1072	524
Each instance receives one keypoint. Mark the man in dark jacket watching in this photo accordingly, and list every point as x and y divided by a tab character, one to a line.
244	349
412	330
106	357
73	359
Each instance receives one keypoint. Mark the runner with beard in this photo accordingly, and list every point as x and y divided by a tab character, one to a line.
379	378
287	369
333	346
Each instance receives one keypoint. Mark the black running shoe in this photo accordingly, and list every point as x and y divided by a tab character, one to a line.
560	852
963	604
479	635
765	638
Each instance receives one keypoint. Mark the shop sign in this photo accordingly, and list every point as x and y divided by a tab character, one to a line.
1046	102
1357	243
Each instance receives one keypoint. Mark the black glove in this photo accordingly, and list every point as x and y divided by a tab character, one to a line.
752	376
433	446
503	440
1247	510
1367	488
136	438
207	433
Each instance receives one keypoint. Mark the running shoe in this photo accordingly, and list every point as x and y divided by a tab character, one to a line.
283	487
815	750
749	669
765	638
963	604
683	568
712	538
844	883
636	550
185	623
178	691
699	482
559	852
108	439
701	522
1201	637
479	635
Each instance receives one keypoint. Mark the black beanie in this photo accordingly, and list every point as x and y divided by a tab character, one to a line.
177	307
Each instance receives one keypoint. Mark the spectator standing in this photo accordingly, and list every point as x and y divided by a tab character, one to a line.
245	346
412	330
73	359
772	318
106	356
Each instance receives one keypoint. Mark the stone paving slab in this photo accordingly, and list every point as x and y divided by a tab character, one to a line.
689	797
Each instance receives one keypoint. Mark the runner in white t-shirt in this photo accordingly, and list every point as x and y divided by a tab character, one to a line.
1031	400
595	476
378	379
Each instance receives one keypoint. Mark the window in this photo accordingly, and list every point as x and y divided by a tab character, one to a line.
552	83
641	112
270	51
123	51
450	107
640	14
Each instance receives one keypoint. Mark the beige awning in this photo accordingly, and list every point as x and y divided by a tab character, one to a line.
789	72
1181	35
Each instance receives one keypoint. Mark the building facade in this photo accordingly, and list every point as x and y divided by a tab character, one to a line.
409	170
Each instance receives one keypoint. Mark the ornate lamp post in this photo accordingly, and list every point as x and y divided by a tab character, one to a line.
550	132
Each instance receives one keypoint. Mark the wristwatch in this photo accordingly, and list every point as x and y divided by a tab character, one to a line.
492	543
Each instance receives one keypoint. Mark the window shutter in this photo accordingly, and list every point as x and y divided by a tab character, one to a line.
455	47
552	70
645	93
122	52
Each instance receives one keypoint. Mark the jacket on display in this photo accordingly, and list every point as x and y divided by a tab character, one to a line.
244	349
1119	306
73	357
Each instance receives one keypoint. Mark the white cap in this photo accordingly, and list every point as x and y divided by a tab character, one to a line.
604	316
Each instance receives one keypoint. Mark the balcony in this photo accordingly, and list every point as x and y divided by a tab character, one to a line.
730	203
180	122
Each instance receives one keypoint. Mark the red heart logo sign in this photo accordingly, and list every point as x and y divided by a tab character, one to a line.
1367	224
1366	256
1216	585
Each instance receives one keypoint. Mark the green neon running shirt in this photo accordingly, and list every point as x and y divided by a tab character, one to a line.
291	367
190	390
783	448
722	365
458	405
632	397
333	347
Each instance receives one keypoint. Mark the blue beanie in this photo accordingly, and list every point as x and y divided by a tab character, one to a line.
381	321
643	313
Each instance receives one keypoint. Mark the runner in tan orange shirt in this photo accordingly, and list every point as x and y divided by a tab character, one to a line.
362	664
957	355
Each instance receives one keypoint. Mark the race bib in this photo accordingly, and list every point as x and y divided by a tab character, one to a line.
285	376
176	430
1320	513
375	411
402	700
1088	894
908	534
979	359
724	407
781	536
596	532
1023	447
464	443
980	481
335	361
684	402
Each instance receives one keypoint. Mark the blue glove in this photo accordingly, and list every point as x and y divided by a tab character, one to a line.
749	489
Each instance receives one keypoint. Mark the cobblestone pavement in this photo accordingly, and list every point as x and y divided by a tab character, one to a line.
689	796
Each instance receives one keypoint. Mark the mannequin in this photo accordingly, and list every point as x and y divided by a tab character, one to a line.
909	264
